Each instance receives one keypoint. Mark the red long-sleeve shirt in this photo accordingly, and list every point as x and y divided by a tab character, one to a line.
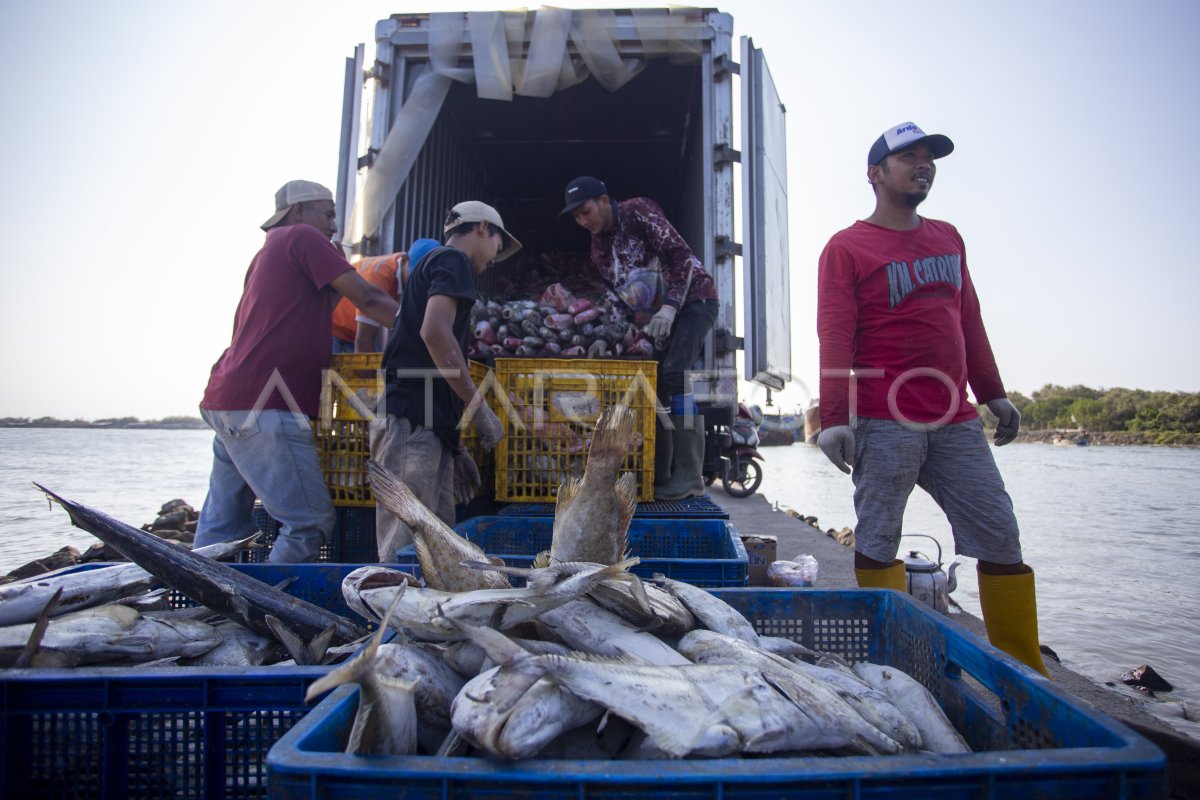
891	302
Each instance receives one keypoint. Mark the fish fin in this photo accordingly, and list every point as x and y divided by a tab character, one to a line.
286	582
427	561
353	670
488	566
637	590
500	648
610	441
620	568
568	490
396	497
290	641
453	745
626	491
25	659
542	560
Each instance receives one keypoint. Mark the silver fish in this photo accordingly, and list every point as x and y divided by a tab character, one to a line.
586	626
239	647
23	601
108	634
938	734
514	715
424	613
592	513
708	647
659	611
440	549
701	709
386	720
714	613
210	583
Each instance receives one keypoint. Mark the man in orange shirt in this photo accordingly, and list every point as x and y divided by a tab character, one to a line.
354	332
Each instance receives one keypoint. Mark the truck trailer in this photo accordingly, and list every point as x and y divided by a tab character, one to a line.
507	107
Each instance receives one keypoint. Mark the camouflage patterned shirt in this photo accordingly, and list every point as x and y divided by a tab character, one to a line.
644	239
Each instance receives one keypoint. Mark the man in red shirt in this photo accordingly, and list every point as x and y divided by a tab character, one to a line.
267	384
901	337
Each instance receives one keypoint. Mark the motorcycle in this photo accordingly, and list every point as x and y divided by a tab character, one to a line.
731	452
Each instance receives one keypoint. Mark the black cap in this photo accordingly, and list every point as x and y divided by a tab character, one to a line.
580	190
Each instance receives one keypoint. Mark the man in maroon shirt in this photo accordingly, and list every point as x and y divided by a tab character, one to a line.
901	337
266	385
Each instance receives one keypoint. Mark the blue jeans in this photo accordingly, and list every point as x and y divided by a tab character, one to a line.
269	455
342	346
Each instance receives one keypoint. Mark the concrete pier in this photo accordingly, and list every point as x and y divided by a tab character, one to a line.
754	515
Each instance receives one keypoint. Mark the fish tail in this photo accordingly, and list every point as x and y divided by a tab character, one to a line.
500	648
396	497
354	671
610	441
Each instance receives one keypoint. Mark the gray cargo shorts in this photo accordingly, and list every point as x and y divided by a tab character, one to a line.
418	457
954	465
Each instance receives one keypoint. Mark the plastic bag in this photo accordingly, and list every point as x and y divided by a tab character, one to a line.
801	572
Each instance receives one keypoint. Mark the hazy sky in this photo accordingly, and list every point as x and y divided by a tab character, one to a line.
143	142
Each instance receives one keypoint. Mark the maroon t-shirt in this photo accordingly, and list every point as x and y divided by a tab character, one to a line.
900	309
283	325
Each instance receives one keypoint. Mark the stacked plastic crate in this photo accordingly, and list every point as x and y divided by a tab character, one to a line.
352	395
163	730
551	406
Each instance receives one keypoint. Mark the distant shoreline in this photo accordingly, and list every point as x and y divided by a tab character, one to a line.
169	423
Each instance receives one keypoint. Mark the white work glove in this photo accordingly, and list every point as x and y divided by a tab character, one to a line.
659	326
491	431
466	477
837	443
1008	420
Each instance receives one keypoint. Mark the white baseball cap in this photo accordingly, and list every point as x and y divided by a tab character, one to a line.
906	134
290	194
476	211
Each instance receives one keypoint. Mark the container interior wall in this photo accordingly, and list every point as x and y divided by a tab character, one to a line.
645	139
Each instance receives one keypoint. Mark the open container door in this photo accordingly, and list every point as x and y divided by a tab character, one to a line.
768	321
348	172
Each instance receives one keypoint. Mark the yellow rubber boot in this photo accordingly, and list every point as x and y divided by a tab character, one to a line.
1009	606
892	577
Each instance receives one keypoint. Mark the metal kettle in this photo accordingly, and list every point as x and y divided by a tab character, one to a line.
925	579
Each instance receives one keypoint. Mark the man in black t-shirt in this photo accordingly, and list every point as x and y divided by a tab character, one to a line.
426	357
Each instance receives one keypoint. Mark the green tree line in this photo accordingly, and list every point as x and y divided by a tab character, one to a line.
1160	417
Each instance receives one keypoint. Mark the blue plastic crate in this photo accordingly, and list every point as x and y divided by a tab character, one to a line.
703	552
688	508
353	537
101	732
1031	739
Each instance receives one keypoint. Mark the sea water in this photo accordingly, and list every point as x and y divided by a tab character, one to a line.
1113	533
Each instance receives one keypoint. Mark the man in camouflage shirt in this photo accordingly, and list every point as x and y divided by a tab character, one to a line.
643	259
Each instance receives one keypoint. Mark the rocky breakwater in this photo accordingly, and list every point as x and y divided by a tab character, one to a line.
176	522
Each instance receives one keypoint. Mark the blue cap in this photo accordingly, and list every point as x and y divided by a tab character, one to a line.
421	248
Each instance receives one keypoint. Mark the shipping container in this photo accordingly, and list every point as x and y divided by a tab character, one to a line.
507	107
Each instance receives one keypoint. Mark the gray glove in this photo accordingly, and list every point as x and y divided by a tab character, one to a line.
837	443
466	477
659	326
1008	420
491	431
